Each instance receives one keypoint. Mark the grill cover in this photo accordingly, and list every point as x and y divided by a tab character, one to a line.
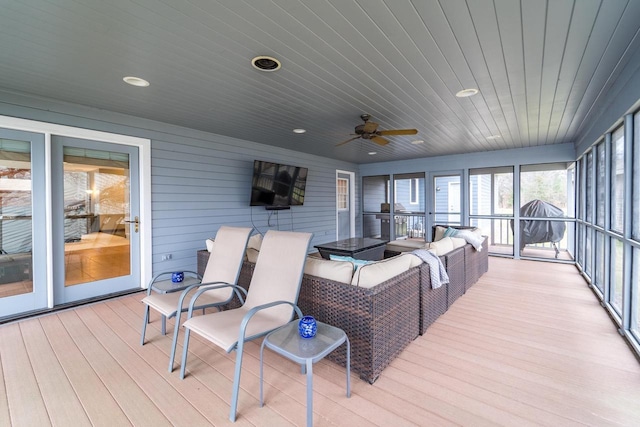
540	231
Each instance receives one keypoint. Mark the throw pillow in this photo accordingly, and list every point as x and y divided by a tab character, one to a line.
450	232
442	246
471	237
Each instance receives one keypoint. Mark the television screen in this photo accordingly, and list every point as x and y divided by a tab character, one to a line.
277	185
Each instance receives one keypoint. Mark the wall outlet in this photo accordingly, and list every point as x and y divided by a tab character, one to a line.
166	257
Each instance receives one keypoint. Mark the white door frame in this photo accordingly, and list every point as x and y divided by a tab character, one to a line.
352	202
144	147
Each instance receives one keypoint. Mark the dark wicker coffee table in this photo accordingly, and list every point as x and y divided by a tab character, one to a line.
357	247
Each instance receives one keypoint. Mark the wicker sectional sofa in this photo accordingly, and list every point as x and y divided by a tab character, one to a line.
380	319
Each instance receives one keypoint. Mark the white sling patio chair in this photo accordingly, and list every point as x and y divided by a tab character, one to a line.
270	303
223	267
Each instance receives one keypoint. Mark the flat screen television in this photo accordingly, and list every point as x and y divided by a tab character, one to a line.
276	185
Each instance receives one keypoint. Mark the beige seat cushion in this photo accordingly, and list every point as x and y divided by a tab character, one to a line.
255	242
375	273
442	246
338	271
252	255
405	245
253	248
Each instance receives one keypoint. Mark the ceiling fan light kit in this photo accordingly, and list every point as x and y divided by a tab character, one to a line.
369	130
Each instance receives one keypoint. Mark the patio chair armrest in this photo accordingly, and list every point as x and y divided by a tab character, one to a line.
247	317
239	290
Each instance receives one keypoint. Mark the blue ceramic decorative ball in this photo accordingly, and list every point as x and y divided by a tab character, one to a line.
177	277
307	327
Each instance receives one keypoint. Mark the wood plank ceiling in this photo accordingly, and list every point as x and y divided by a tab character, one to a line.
541	67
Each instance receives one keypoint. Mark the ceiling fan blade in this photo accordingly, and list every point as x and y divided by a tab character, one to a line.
379	140
348	140
370	127
398	132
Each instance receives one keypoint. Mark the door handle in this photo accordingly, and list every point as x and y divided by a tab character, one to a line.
135	221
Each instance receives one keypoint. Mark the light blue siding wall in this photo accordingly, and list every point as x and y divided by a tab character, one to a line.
201	180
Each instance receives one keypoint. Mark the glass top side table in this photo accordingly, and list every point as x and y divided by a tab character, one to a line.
166	286
287	342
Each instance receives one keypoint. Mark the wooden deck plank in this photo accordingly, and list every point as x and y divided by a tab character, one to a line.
155	387
133	401
61	401
156	354
97	401
25	401
213	384
5	417
516	349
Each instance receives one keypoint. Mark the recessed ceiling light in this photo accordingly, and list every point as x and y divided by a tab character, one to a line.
492	137
265	63
299	130
417	142
372	153
466	92
136	81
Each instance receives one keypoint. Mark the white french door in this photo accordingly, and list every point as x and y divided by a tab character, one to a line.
75	214
96	213
22	222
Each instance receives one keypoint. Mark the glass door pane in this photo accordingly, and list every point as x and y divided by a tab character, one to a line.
22	223
96	203
95	220
16	220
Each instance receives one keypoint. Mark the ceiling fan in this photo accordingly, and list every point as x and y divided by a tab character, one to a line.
369	130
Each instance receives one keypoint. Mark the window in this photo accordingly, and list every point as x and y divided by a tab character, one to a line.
414	194
409	207
342	189
601	171
606	200
546	191
635	218
491	206
375	199
617	180
616	276
588	186
635	293
598	278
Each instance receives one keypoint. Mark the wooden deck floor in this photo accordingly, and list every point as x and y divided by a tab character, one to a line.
527	345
